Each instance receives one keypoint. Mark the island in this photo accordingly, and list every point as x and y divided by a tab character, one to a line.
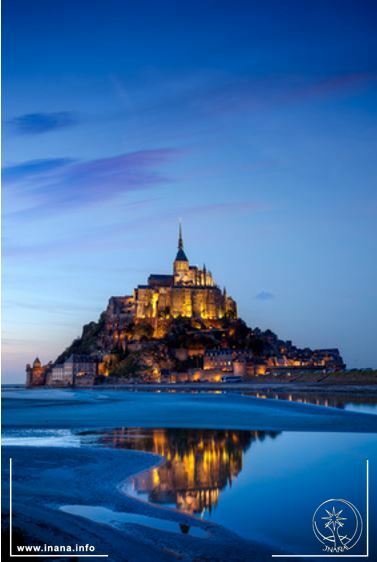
178	328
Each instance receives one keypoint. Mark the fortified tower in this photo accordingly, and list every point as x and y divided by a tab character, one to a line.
36	374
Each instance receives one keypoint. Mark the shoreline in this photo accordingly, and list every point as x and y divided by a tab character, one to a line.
92	478
70	477
71	409
287	386
255	386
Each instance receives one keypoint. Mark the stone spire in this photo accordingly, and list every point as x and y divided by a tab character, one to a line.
180	238
181	256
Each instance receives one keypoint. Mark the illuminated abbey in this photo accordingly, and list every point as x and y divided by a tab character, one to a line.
188	292
180	327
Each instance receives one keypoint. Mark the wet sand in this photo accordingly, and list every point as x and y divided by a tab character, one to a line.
106	409
46	478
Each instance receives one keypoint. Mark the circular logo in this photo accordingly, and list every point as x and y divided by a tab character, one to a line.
338	525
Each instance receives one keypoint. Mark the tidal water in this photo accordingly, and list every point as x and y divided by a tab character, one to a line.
117	519
261	485
352	402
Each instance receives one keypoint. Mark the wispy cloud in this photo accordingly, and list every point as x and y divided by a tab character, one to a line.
34	169
100	235
255	93
211	94
264	296
39	123
50	307
56	184
228	207
333	85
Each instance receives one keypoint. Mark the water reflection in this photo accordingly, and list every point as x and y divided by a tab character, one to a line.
199	463
339	400
303	398
117	519
355	400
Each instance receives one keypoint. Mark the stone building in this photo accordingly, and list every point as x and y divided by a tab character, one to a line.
77	366
36	374
56	376
77	370
189	292
221	359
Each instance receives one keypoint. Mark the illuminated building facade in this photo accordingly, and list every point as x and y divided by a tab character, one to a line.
75	370
36	373
221	359
188	292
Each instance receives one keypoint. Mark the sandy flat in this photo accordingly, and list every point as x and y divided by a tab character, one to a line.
47	479
93	408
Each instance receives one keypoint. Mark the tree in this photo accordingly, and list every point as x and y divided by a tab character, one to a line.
143	329
127	368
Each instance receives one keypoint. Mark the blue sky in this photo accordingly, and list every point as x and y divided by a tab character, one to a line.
253	122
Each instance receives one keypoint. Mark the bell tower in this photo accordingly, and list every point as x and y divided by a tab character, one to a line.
181	266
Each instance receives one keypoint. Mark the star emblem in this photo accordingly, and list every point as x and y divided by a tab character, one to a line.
334	518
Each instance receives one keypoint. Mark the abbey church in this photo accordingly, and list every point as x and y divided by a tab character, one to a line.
188	292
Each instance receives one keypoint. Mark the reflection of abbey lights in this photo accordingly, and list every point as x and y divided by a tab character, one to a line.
199	463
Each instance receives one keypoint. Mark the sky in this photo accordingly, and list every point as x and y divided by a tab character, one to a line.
252	122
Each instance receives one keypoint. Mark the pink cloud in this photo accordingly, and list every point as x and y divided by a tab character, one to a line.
53	185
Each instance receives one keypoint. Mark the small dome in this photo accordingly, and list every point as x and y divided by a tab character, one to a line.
37	362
